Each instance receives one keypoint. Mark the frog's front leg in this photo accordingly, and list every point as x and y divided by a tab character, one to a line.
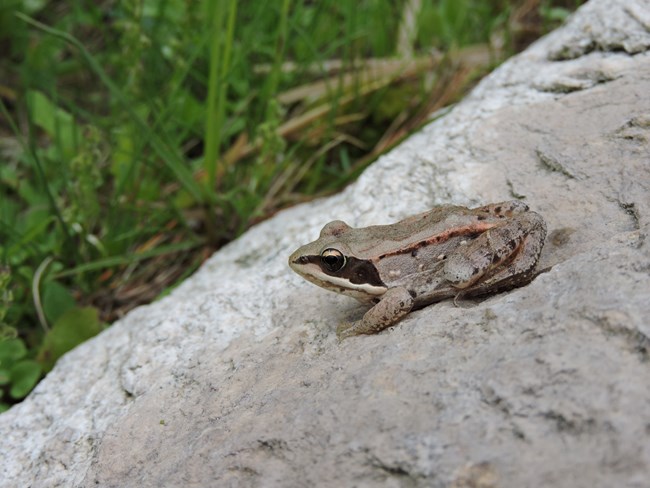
505	254
394	305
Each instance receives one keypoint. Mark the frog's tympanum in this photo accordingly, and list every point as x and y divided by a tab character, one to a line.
449	251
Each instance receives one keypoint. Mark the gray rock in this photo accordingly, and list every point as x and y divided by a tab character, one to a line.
236	378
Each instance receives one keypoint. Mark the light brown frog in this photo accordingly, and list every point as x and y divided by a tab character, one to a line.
448	251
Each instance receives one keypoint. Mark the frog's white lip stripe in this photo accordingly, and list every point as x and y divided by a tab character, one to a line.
342	285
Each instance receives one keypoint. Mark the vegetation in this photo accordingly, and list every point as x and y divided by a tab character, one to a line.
138	136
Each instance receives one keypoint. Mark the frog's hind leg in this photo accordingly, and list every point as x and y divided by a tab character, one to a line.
502	257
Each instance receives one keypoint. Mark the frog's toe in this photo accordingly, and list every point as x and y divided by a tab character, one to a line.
345	330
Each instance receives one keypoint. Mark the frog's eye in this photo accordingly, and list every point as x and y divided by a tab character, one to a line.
333	259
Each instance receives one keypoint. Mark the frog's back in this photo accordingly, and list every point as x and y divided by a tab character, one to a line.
373	241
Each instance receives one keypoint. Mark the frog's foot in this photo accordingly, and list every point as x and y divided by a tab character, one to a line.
394	305
351	329
345	330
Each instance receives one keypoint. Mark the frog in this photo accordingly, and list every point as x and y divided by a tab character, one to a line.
449	251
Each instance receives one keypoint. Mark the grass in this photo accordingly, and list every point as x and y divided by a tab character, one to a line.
137	137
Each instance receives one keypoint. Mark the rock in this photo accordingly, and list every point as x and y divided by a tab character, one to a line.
237	379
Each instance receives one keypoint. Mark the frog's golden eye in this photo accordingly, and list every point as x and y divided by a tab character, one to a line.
333	259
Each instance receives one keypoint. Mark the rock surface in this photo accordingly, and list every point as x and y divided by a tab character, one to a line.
236	378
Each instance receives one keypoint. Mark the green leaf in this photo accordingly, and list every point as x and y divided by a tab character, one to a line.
9	177
72	328
5	377
24	376
33	6
557	14
56	300
55	121
31	194
11	350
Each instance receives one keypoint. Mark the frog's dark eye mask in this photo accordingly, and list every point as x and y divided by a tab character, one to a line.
333	262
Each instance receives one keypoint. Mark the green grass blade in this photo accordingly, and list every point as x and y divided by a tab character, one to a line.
220	52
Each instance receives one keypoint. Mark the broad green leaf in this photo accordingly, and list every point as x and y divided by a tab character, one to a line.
9	176
72	328
56	122
24	376
11	350
33	6
6	331
56	300
36	222
189	109
31	194
4	376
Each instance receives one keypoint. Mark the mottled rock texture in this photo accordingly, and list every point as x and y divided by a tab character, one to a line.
237	378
